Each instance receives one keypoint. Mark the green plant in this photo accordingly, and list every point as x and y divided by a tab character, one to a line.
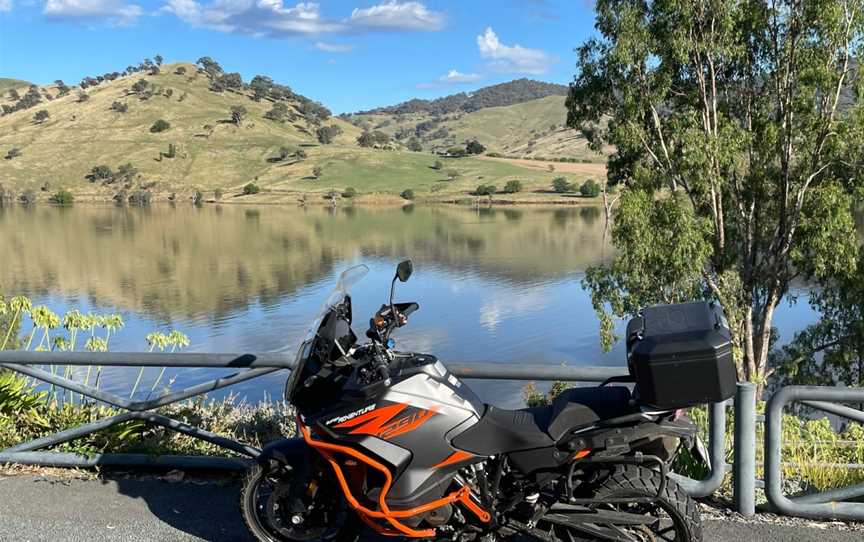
14	152
160	126
62	197
251	188
349	193
590	189
485	190
198	198
438	165
407	194
172	151
512	187
561	185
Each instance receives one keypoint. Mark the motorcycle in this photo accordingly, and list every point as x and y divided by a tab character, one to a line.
392	442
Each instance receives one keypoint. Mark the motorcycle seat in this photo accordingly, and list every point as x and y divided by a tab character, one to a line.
504	431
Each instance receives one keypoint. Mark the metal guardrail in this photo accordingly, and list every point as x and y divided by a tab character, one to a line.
253	366
827	504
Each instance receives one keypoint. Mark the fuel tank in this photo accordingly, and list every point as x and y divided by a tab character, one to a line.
410	425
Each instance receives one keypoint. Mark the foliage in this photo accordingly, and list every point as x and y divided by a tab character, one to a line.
82	97
140	86
181	70
485	190
326	134
375	138
41	116
317	171
160	126
119	107
349	193
561	185
456	152
407	194
251	188
734	107
279	112
590	189
14	152
238	112
513	187
62	197
414	144
474	147
140	198
198	198
438	165
27	197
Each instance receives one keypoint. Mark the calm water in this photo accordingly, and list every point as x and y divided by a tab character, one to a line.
498	284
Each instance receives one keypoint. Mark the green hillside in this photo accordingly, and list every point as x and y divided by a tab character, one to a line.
7	83
215	155
530	129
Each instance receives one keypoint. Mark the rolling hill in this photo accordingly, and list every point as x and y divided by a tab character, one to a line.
203	149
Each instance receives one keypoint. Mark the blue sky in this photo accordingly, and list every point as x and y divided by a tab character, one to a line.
348	54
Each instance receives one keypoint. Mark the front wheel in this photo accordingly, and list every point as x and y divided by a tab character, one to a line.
278	506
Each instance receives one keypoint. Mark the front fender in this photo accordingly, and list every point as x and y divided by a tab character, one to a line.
289	451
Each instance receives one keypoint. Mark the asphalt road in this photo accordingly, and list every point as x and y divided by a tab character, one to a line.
36	509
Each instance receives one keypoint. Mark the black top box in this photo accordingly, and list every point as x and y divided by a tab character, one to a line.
681	355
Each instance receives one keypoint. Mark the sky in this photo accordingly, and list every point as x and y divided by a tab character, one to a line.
348	54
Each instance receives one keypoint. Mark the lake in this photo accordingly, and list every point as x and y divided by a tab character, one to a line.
496	284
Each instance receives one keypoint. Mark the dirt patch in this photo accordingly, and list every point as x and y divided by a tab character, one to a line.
562	167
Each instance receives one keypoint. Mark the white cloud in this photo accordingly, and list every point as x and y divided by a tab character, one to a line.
395	15
113	11
334	47
512	58
273	18
454	76
5	6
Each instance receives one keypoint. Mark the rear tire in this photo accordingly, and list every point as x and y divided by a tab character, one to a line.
685	521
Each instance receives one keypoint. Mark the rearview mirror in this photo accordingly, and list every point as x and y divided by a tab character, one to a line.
404	270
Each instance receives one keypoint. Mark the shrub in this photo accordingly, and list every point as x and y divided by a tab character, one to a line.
100	172
407	194
181	70
452	174
83	97
160	126
238	112
414	145
561	185
27	197
457	152
474	147
349	193
41	116
317	171
62	197
197	198
14	152
438	165
485	190
140	198
251	188
590	189
513	187
119	107
217	194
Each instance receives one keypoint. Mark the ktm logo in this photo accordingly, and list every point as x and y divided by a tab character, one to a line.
389	421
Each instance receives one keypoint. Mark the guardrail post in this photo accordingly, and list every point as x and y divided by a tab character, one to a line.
744	480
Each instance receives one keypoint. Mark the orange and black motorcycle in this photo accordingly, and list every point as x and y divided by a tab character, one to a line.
391	443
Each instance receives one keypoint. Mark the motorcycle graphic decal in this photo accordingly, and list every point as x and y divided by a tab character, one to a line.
455	457
388	421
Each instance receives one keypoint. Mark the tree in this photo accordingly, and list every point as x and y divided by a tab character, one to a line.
210	66
238	112
561	185
733	150
279	112
119	107
251	188
375	138
62	197
260	86
474	147
485	190
140	86
62	89
456	152
232	80
590	189
407	194
83	97
101	172
127	172
349	193
513	187
181	70
160	126
41	116
414	144
326	134
316	172
13	95
158	59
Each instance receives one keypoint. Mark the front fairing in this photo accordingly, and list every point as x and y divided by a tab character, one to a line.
329	337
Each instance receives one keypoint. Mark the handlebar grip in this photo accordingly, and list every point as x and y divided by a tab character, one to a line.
383	369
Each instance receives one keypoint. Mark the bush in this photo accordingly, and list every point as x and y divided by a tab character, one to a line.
41	116
407	194
474	147
485	190
349	193
83	97
198	198
62	197
160	126
513	187
181	70
438	165
140	198
590	189
456	152
119	107
452	174
561	185
14	152
317	171
414	145
27	197
251	188
101	172
217	194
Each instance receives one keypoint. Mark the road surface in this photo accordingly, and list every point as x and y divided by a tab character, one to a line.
43	509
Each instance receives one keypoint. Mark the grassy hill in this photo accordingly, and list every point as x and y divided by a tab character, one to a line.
213	153
531	129
7	83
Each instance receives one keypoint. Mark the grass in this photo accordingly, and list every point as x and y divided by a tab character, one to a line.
7	83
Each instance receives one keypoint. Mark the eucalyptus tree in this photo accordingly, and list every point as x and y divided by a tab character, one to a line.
738	164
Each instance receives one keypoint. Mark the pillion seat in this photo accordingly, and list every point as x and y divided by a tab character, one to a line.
501	430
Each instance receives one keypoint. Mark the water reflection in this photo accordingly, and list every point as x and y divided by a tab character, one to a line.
494	284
